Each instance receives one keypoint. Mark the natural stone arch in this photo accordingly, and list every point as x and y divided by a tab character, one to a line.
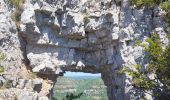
58	41
107	28
67	36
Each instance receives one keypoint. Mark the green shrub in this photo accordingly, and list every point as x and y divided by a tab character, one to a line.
168	29
2	69
16	16
2	56
15	3
147	3
151	3
165	6
8	84
139	79
159	64
72	96
154	51
138	42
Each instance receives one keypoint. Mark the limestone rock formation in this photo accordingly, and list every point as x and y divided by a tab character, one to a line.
54	36
16	80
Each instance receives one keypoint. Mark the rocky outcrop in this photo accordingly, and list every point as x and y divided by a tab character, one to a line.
96	36
17	82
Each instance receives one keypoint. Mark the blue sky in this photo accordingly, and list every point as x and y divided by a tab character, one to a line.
68	74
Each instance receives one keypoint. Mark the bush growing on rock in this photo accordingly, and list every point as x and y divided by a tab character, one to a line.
159	59
147	3
159	64
164	5
15	3
2	56
2	69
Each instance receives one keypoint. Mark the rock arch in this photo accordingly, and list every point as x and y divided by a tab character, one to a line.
81	35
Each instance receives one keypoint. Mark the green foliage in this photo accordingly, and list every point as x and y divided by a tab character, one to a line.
147	3
168	36
164	67
159	64
165	6
159	59
150	3
138	42
8	84
168	29
154	51
16	16
17	13
139	78
125	69
65	85
2	69
15	3
2	56
72	96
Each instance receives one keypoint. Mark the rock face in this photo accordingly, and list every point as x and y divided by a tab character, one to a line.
17	82
96	36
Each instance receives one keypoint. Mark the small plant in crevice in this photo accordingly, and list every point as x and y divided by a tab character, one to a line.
159	59
2	56
138	42
141	3
2	69
140	79
8	84
146	3
16	14
15	3
166	7
158	64
163	4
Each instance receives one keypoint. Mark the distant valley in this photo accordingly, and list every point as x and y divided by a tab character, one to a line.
92	87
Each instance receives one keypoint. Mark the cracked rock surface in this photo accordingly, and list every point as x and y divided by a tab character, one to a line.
96	36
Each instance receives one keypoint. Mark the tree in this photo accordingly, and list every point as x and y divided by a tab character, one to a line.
71	96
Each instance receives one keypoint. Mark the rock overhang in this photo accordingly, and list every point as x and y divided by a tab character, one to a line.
60	37
102	40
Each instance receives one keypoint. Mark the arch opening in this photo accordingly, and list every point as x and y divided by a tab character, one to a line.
84	86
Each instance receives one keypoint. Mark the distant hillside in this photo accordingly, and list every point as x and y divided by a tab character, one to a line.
92	88
83	77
